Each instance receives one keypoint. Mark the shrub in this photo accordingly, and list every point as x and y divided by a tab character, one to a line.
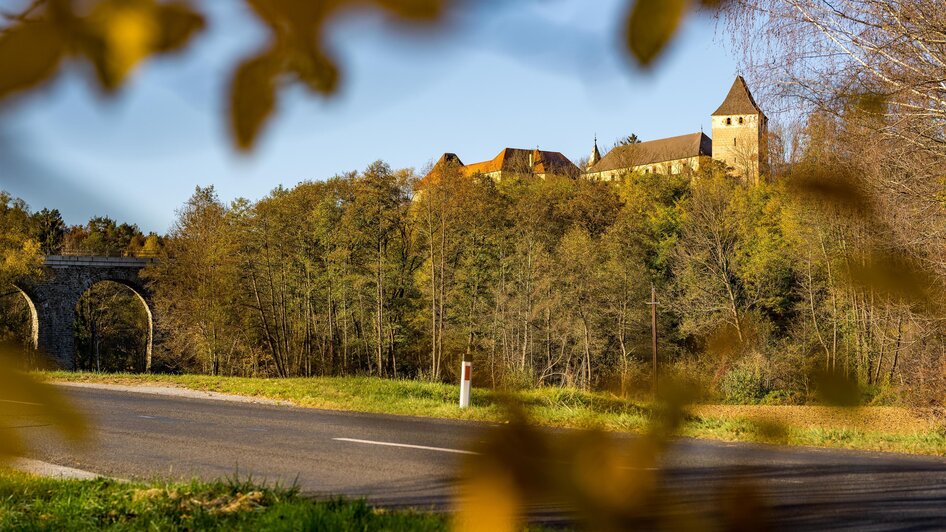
783	397
746	382
883	395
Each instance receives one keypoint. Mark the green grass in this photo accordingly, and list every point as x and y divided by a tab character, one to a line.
786	431
868	428
28	502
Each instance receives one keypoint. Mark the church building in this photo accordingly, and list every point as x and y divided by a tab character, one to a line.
739	132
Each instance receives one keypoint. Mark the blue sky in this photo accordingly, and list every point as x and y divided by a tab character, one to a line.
546	73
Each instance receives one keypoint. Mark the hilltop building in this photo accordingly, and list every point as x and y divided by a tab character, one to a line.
673	155
739	132
513	161
740	129
595	154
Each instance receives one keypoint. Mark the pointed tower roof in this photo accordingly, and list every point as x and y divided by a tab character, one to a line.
739	101
595	154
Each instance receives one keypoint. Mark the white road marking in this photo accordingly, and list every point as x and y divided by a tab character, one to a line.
391	444
20	402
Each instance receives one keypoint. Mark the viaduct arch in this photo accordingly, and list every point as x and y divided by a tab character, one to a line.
52	300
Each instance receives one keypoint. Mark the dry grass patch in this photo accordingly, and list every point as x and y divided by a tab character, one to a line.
869	419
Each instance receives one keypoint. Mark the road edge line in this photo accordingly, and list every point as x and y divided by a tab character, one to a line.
47	469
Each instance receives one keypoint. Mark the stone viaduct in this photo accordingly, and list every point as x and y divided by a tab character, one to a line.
52	299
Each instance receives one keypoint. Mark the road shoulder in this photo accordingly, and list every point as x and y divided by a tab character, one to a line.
172	391
46	469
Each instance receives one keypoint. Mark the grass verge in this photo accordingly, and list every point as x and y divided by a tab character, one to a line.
28	502
878	428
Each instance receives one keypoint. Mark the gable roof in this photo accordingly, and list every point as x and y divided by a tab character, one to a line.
739	101
518	160
449	158
654	151
436	172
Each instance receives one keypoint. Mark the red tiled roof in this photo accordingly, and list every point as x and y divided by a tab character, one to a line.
445	160
518	160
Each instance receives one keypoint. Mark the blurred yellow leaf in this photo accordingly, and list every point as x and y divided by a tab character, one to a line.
670	411
836	388
743	505
317	71
303	15
415	9
771	430
252	98
650	26
833	186
127	33
897	276
177	23
612	476
29	55
489	501
296	52
608	482
114	35
23	397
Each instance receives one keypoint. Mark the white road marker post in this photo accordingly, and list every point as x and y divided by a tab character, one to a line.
466	375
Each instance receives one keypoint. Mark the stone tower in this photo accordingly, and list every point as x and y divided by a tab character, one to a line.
740	130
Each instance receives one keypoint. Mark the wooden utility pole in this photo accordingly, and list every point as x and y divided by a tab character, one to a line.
653	326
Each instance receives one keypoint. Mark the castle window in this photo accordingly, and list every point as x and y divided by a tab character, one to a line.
729	121
734	141
740	120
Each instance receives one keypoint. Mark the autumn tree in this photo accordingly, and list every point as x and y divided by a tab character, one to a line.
196	286
111	330
459	219
20	251
732	267
375	221
49	230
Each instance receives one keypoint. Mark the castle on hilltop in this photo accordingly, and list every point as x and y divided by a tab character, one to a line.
740	129
514	161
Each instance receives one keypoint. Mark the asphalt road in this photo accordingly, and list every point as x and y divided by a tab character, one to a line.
405	461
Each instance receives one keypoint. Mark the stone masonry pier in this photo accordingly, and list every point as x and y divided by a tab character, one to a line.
53	297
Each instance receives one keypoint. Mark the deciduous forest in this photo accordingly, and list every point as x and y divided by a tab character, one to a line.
831	265
761	287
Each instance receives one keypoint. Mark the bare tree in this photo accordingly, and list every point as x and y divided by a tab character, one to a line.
885	57
877	68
